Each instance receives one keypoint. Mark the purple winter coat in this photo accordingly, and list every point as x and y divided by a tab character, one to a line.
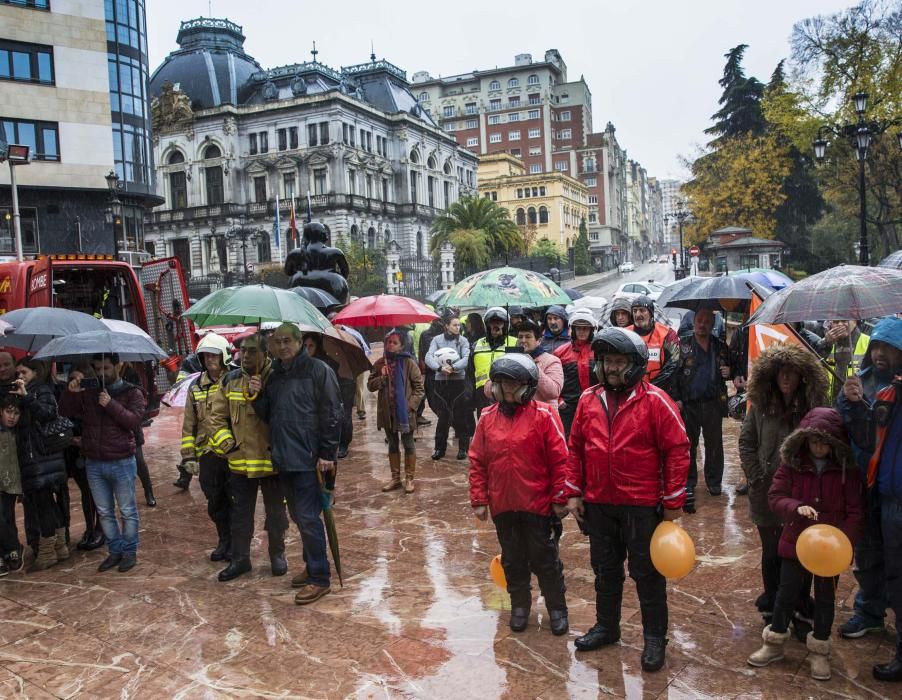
836	494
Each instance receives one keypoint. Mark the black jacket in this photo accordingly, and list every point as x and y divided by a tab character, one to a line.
687	368
301	403
38	471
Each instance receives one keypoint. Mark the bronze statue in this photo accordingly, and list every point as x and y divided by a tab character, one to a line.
316	264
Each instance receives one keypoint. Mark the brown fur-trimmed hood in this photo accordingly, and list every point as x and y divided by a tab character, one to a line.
825	423
762	388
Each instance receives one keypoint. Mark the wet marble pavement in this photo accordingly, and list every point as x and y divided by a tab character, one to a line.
418	616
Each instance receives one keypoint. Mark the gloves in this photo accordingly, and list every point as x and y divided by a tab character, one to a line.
192	466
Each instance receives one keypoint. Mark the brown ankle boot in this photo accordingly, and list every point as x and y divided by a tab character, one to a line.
410	470
46	554
394	461
60	546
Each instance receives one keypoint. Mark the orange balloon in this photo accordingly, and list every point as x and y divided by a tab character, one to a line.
672	550
824	550
496	571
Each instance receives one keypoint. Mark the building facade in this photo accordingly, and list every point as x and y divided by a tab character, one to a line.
543	205
234	140
73	77
673	200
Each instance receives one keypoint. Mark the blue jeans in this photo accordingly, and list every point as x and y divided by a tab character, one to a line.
302	491
109	480
870	601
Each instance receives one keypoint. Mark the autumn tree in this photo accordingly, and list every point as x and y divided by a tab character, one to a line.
582	259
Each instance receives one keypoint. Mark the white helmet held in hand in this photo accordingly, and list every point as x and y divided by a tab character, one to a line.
446	356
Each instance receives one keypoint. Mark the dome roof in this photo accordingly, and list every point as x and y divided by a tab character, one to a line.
210	65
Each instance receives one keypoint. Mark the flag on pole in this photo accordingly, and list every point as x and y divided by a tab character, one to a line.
292	229
276	224
763	335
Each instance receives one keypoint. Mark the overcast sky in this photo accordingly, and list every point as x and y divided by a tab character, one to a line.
652	66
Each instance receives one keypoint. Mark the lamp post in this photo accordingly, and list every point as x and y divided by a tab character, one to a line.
115	218
242	234
17	155
859	134
679	216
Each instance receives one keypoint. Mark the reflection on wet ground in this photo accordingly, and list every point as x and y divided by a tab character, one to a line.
418	616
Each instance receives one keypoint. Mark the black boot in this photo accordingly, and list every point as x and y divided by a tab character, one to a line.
559	623
277	561
463	445
440	447
689	505
237	567
91	540
519	619
892	671
653	653
149	498
221	553
597	637
184	480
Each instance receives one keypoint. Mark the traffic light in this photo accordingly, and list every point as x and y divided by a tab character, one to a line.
673	255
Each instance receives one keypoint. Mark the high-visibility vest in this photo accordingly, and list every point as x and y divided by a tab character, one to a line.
655	343
484	356
858	355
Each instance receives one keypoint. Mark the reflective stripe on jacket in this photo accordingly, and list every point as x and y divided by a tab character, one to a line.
484	355
199	435
858	354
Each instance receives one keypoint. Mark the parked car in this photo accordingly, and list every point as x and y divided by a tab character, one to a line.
631	290
627	266
662	258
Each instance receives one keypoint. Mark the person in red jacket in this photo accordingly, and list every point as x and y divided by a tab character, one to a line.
818	482
629	457
518	459
576	359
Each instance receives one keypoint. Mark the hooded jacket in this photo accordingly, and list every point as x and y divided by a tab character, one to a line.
769	421
620	304
550	341
835	493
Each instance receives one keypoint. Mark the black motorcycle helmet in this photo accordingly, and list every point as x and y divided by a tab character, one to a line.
619	341
519	368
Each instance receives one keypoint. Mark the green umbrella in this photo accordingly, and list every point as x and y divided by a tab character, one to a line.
505	286
256	304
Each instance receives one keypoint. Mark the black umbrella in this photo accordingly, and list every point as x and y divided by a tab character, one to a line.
573	294
436	297
129	347
726	293
319	298
33	328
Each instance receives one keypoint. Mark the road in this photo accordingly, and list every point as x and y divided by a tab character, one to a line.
661	273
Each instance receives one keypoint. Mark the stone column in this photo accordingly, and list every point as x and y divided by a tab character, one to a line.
446	265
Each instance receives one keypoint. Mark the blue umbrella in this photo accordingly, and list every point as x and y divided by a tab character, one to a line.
772	279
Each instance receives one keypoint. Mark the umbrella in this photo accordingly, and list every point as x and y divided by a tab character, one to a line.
436	297
773	279
383	310
893	260
33	328
129	347
320	299
594	304
343	347
254	304
327	490
603	314
178	392
124	327
505	286
573	294
846	292
725	293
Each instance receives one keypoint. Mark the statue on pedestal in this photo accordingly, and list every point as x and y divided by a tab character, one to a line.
316	264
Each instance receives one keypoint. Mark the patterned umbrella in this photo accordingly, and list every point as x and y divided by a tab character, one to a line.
505	286
846	292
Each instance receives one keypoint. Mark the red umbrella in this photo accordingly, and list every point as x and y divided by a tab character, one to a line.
384	310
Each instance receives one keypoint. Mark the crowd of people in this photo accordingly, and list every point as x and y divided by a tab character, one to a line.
558	415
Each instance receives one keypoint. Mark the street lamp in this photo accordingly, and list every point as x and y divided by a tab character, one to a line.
17	155
115	209
859	135
242	234
679	216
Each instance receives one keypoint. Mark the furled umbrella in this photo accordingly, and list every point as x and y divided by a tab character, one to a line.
505	286
327	494
846	292
33	328
383	310
322	300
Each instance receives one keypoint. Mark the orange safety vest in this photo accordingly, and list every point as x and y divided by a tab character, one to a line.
655	343
888	395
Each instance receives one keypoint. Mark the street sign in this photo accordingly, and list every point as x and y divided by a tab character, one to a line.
694	251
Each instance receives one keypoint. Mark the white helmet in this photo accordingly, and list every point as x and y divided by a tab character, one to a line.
445	355
215	345
582	314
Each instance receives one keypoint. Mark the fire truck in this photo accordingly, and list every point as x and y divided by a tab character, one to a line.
151	296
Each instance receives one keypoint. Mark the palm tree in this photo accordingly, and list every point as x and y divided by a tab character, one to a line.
483	217
470	250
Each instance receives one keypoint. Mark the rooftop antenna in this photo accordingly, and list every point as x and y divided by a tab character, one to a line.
210	7
372	52
314	52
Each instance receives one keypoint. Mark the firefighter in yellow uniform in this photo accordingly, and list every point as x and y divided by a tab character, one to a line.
202	443
247	450
844	347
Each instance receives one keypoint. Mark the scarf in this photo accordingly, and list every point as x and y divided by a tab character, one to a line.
398	395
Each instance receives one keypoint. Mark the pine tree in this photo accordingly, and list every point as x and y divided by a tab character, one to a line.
740	111
582	261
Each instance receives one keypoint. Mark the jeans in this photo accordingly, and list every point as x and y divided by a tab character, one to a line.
243	493
110	481
529	546
704	418
891	526
614	532
870	600
302	491
793	579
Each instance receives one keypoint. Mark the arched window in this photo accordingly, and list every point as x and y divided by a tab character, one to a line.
414	156
513	82
371	238
176	157
494	85
543	215
431	163
533	79
212	151
521	217
424	97
447	167
531	215
355	233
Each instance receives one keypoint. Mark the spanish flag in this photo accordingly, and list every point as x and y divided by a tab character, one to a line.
292	229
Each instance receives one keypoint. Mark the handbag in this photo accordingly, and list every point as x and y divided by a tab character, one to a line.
53	436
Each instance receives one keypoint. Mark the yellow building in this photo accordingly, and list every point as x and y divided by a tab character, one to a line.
544	205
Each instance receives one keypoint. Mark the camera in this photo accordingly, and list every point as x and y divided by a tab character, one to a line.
90	383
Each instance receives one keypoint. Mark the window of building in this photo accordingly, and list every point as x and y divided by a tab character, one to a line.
176	157
213	182
495	104
42	137
591	181
513	135
513	117
565	134
494	138
535	191
37	4
451	126
513	101
565	98
543	215
448	111
590	165
532	80
178	190
519	193
414	185
263	138
516	153
319	181
324	133
352	181
535	168
535	99
521	217
289	188
531	216
264	249
430	190
535	150
385	190
494	85
312	132
593	199
27	62
292	137
593	217
282	135
494	196
369	141
424	97
495	119
414	156
532	114
260	188
471	108
369	186
564	116
542	191
562	165
535	133
472	141
513	82
28	222
472	124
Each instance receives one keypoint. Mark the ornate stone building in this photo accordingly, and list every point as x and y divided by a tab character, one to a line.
231	139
